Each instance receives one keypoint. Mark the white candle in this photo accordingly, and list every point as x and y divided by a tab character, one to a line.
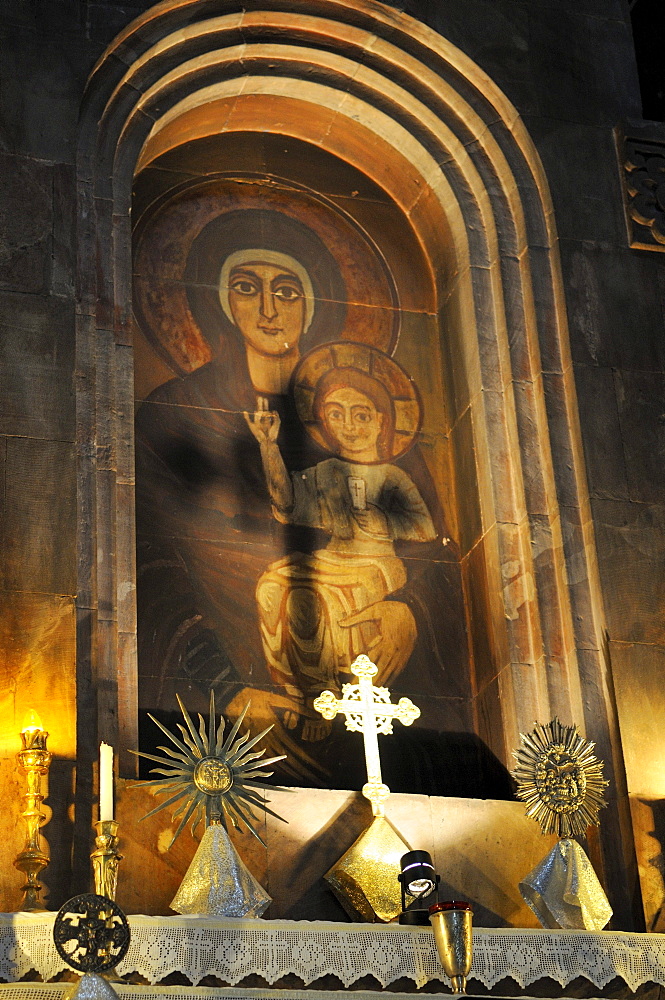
105	781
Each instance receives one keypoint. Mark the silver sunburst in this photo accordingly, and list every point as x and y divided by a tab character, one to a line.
212	778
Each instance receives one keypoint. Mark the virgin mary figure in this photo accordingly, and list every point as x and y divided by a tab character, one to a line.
266	290
267	287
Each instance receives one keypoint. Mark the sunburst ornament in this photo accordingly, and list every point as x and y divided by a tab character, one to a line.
559	778
211	778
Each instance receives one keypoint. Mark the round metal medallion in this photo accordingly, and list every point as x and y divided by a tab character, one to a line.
560	781
213	776
91	933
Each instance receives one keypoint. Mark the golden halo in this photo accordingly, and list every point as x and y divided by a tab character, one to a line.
347	355
560	779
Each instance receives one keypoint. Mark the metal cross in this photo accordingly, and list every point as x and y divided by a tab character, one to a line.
368	710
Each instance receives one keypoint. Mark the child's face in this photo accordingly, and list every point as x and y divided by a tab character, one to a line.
353	423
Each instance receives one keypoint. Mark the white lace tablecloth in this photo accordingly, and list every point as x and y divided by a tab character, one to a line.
233	949
61	991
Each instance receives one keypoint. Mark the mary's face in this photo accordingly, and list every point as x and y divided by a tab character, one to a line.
268	307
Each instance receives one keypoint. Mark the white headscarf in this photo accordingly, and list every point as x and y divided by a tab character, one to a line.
275	258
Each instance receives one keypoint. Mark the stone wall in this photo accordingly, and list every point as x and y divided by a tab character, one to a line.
46	56
569	70
471	842
568	67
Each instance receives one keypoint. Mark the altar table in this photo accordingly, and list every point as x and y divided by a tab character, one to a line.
231	950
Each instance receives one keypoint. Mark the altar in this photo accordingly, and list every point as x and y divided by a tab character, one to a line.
197	957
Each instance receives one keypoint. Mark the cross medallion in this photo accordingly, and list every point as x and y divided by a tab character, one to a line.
368	710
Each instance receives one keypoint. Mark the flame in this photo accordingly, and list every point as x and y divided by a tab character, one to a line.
31	722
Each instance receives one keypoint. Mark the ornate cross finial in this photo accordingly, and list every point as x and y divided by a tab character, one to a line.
369	711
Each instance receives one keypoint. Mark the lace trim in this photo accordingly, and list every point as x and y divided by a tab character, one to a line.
232	949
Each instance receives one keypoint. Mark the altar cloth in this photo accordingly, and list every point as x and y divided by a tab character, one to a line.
232	949
59	991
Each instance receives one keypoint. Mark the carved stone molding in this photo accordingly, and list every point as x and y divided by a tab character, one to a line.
643	169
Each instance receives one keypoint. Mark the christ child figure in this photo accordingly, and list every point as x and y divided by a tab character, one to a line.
319	610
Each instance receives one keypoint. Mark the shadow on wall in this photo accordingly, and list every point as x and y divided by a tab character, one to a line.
655	899
413	760
58	833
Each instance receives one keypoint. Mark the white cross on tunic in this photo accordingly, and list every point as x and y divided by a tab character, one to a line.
368	710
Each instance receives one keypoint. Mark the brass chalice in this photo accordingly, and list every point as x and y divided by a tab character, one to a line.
453	934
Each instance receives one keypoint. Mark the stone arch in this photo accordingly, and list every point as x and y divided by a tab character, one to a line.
429	127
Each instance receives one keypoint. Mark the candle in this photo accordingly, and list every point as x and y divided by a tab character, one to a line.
105	782
31	721
32	734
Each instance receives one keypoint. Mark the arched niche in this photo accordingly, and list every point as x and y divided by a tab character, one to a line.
414	114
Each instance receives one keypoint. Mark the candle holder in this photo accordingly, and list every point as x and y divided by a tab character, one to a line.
453	935
35	760
105	858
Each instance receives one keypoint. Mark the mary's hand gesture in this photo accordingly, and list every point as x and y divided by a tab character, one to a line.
264	424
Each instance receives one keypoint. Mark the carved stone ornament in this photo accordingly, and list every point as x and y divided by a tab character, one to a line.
91	933
643	168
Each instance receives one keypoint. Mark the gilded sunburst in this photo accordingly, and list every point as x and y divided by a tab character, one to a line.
559	778
211	779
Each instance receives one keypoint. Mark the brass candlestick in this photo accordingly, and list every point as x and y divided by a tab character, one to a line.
35	760
105	858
